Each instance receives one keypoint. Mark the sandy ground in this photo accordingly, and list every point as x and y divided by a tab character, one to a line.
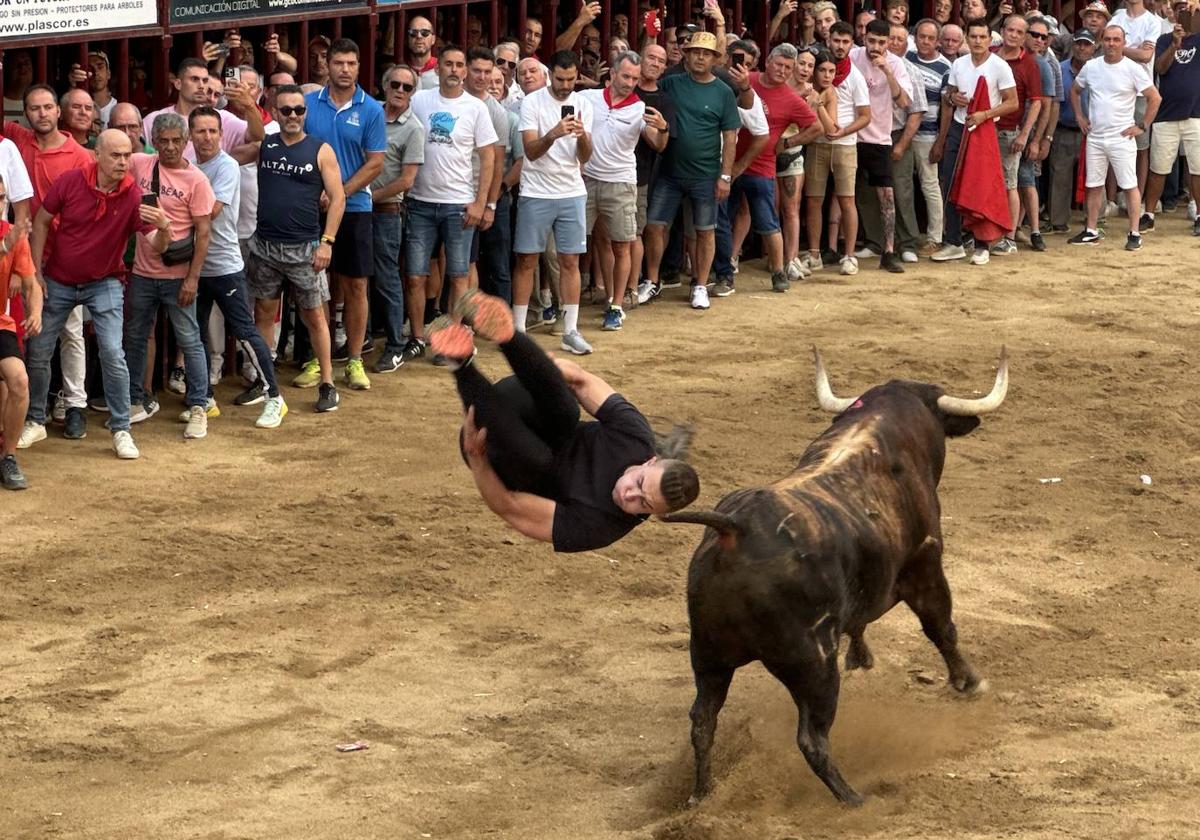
184	639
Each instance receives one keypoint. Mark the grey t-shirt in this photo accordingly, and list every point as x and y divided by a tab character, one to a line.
224	256
501	125
405	145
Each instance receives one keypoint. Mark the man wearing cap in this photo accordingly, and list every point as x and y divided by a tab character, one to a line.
1068	138
99	76
1094	17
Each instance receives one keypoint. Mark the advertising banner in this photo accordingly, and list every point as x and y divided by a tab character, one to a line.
35	18
198	11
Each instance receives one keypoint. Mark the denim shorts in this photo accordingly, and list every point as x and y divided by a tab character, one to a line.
426	225
759	193
536	217
1009	161
669	191
1027	173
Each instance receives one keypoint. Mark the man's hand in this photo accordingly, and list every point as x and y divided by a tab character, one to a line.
1018	145
1032	150
571	371
936	151
78	76
489	218
154	216
740	76
722	189
238	96
187	291
473	214
321	256
589	12
959	100
897	152
881	62
654	119
1085	125
978	118
271	45
32	324
474	438
1133	131
16	233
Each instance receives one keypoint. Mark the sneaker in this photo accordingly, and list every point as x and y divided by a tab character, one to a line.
273	413
830	257
612	319
574	342
980	257
849	266
327	397
489	316
1192	210
355	376
98	404
1004	247
341	353
549	315
628	301
812	262
866	252
197	423
59	412
1058	230
76	424
724	287
890	262
1196	228
124	446
1086	236
796	271
647	291
968	241
779	283
251	396
310	376
671	281
1146	223
211	409
909	256
929	249
146	410
1133	242
948	252
11	476
177	381
700	296
414	348
388	362
1036	242
31	433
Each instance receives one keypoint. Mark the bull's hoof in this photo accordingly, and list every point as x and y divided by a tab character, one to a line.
858	655
694	800
970	685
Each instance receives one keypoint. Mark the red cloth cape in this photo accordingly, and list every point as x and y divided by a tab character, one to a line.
978	187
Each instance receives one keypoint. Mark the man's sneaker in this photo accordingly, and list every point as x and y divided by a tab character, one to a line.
866	252
647	292
890	262
573	342
849	266
124	446
177	381
310	376
724	287
388	362
197	423
76	424
1004	247
31	433
1085	237
948	252
830	257
779	283
10	474
341	353
671	281
414	348
59	412
1196	228
98	404
628	301
211	410
909	256
795	270
812	262
612	319
1133	242
1036	242
980	257
327	397
273	413
929	248
1146	223
700	296
549	315
356	376
145	411
488	315
1192	210
251	396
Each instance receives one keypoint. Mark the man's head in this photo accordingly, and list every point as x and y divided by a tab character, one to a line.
896	11
168	136
620	25
589	64
1083	46
700	53
1014	31
318	60
1037	37
589	39
126	118
674	42
926	36
876	37
861	20
531	37
897	43
781	63
452	70
1094	17
420	39
747	49
204	126
498	85
941	11
654	63
824	16
531	75
18	70
113	151
216	89
78	111
950	42
289	111
626	72
101	72
474	31
656	487
250	80
398	83
191	80
564	72
1113	42
41	109
480	64
343	65
972	10
979	38
841	39
507	56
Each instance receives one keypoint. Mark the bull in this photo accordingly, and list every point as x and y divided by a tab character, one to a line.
784	570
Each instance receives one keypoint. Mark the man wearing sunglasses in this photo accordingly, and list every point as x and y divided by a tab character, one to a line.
508	55
420	52
405	153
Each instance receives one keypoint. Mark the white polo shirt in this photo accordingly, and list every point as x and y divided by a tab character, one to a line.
616	128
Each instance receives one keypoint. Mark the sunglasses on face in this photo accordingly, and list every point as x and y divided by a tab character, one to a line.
404	86
1041	36
289	110
501	62
419	33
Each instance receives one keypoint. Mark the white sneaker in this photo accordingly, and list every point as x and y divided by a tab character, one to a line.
811	263
700	296
59	413
866	252
796	270
31	434
948	252
646	292
124	446
573	342
1192	210
909	256
849	266
274	410
177	381
197	424
211	409
980	257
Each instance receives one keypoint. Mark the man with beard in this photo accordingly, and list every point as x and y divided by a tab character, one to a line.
531	37
192	84
420	52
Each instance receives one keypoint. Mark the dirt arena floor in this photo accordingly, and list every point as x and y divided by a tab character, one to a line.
184	639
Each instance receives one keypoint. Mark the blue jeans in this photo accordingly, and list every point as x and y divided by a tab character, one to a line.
495	253
668	194
228	292
105	301
428	225
952	222
145	296
723	242
388	229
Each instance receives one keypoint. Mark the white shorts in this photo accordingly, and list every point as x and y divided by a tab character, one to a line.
1166	141
1118	152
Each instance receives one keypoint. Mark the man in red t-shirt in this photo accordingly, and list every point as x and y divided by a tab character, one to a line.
756	185
15	262
1015	129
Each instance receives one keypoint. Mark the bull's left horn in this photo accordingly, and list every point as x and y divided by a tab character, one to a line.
971	408
825	395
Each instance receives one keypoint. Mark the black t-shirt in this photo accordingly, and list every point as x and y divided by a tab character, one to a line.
585	516
645	154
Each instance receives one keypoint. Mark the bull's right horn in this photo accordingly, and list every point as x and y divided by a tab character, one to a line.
971	408
825	395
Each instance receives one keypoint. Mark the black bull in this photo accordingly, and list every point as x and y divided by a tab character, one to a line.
785	570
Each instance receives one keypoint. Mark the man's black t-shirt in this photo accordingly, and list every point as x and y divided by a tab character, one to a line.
647	158
585	516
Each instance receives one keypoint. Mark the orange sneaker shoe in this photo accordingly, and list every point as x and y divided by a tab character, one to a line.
488	315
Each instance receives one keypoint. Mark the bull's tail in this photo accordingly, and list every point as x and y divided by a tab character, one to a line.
724	524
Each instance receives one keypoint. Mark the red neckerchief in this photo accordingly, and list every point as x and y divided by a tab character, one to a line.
264	113
843	70
91	174
431	64
631	99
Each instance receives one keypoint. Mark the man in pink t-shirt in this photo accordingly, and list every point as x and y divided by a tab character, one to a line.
192	82
182	192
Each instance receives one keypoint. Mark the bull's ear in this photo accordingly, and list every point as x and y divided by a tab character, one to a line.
959	426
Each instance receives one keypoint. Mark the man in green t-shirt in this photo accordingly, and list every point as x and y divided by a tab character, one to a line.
698	162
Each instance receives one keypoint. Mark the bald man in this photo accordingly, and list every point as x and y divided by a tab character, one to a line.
420	51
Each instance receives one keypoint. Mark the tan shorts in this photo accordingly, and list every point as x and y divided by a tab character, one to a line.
615	203
824	158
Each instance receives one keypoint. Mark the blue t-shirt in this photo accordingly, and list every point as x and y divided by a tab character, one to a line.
354	131
933	78
1180	85
1066	114
224	255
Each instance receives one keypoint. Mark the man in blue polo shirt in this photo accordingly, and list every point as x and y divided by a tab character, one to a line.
352	123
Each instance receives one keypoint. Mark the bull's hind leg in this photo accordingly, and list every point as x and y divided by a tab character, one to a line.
712	685
924	588
858	655
814	689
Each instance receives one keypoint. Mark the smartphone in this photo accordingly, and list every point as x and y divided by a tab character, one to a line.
568	111
737	59
150	200
222	50
231	76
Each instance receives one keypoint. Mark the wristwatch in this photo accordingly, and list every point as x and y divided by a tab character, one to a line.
491	205
727	178
326	239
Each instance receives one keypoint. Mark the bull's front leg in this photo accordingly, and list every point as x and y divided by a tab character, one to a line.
858	655
712	686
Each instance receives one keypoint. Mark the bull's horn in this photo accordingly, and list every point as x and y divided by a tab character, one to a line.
971	408
721	522
825	395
